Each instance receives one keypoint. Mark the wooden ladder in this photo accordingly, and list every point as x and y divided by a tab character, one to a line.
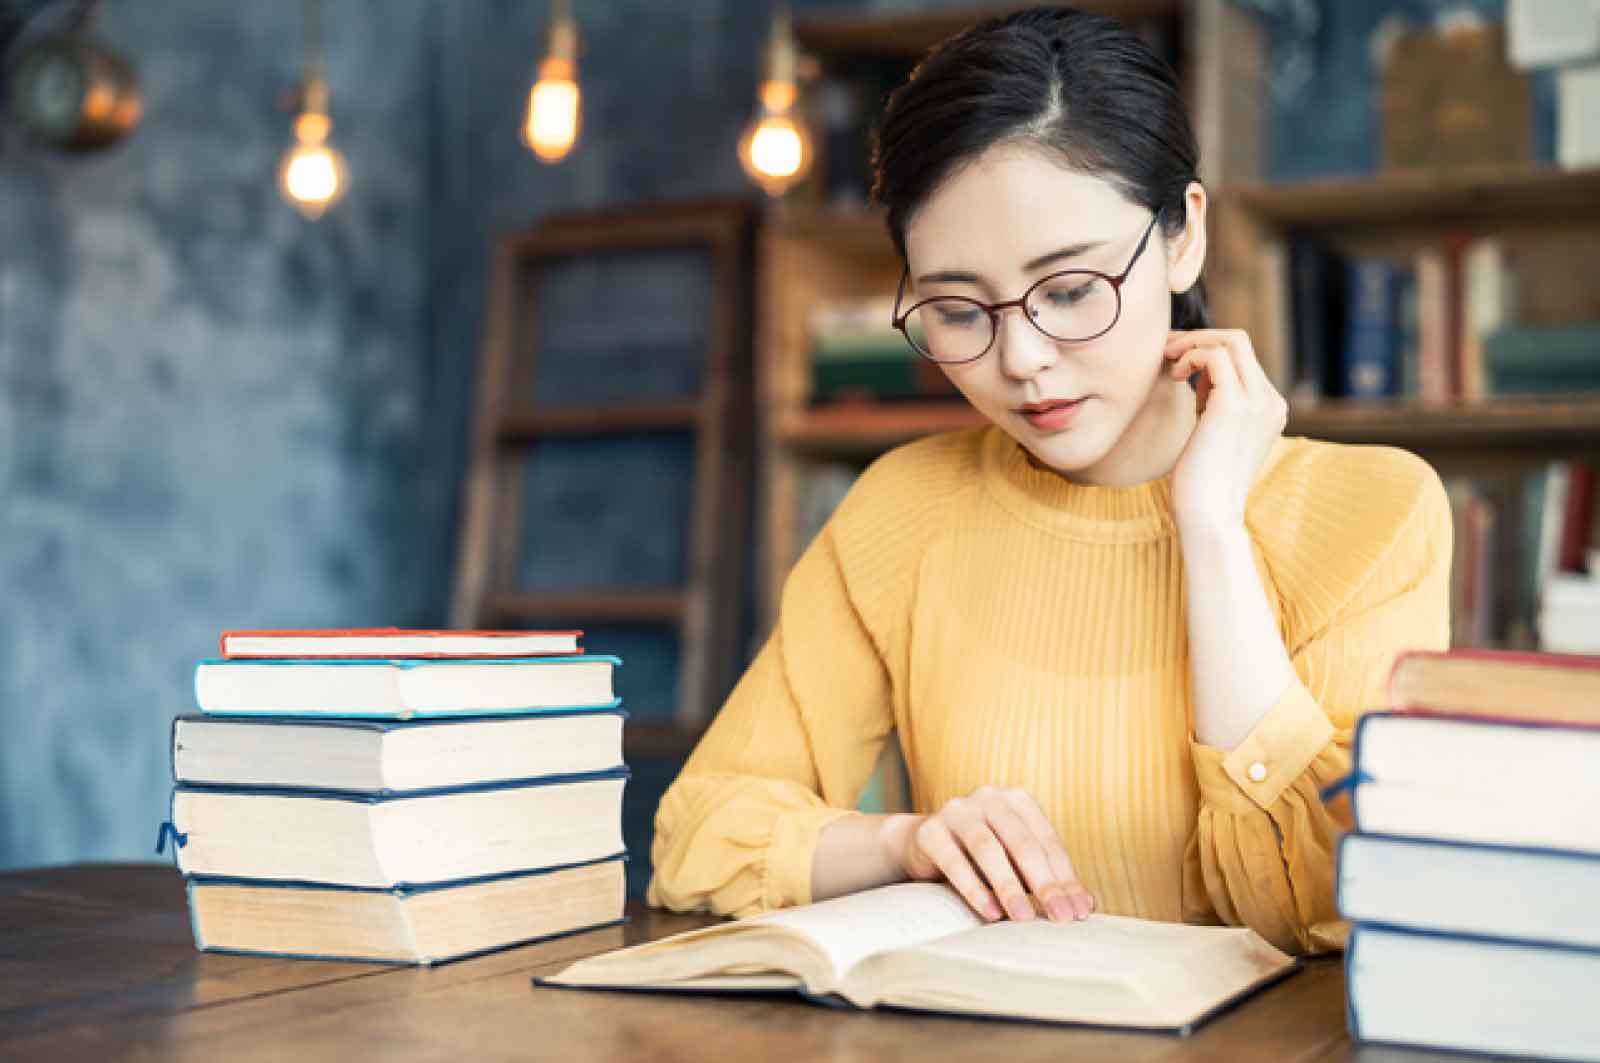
706	609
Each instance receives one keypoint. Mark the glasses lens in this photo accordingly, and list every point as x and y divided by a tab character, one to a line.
950	330
1074	306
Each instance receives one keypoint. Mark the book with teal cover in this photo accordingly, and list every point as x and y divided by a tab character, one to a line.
320	699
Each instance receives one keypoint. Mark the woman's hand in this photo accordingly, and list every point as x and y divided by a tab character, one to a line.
1241	414
980	842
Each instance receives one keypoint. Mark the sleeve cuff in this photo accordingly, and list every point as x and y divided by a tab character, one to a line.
1275	753
791	852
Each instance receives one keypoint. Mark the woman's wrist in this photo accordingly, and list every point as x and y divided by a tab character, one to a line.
894	839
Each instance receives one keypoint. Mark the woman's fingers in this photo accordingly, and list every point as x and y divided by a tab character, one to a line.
1064	897
990	856
1027	854
996	847
939	843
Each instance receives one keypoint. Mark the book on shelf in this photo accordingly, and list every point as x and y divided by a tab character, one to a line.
388	642
399	688
421	925
1370	359
1569	614
1543	359
1443	324
919	946
1488	303
412	838
1317	324
857	353
1483	995
388	757
1473	589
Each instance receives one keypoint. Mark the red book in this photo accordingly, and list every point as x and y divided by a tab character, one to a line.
1499	685
1576	521
395	643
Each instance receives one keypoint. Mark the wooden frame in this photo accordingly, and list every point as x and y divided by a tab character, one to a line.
706	610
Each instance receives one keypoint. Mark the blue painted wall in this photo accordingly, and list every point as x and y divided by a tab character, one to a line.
215	414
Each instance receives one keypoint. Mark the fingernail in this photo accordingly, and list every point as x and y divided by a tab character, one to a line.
991	911
1059	907
1018	908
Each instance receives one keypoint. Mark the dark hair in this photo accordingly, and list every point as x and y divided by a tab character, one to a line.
1081	85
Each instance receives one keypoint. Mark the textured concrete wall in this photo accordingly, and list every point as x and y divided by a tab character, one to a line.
212	412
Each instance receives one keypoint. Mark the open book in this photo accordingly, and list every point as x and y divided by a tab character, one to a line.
917	945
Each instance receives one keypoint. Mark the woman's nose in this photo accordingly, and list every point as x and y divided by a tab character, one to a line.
1025	352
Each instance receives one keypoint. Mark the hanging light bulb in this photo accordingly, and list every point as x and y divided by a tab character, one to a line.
776	146
555	106
313	175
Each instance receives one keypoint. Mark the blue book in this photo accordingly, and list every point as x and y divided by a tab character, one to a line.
1545	896
404	688
388	757
396	840
1440	991
1371	356
421	925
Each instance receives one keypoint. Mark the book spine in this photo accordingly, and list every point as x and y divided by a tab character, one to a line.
1372	330
1433	327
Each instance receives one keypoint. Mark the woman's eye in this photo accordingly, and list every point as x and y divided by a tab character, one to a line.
957	317
1066	295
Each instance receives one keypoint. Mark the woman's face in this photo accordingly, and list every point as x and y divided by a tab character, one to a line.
989	233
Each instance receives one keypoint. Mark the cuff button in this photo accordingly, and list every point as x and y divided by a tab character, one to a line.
1257	771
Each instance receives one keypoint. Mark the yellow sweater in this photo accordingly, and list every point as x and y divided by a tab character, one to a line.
1016	629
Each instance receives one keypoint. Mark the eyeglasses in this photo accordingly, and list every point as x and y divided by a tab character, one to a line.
1069	307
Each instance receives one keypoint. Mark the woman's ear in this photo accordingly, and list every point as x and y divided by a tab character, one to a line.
1186	253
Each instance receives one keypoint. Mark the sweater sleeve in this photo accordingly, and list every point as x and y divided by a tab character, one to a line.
789	752
1263	851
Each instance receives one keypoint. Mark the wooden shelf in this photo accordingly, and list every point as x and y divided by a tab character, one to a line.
857	430
910	35
1509	423
1423	197
862	430
585	607
529	425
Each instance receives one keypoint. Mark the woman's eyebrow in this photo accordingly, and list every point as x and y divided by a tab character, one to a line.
956	276
1070	251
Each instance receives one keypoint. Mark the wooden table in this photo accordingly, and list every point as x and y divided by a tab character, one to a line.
97	962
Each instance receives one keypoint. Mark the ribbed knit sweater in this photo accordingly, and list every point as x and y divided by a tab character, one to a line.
1017	629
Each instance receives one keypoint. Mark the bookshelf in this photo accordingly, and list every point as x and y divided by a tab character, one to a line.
1548	220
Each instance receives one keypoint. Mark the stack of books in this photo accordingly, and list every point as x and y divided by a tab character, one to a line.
399	796
1473	875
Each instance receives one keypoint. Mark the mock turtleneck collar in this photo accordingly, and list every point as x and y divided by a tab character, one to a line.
1089	512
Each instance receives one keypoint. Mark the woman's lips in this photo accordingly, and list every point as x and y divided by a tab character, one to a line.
1052	416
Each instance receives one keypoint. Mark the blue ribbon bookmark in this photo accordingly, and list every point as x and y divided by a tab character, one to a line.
1349	782
170	829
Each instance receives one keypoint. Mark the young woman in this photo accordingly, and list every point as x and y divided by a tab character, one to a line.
1123	632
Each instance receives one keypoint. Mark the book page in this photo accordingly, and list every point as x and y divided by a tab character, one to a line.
848	929
1102	946
1110	970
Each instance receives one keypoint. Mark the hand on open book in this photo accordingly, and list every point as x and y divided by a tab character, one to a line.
979	843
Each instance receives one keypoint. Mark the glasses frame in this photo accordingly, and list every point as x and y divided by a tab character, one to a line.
994	309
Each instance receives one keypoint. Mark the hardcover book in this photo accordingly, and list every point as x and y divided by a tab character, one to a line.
917	945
